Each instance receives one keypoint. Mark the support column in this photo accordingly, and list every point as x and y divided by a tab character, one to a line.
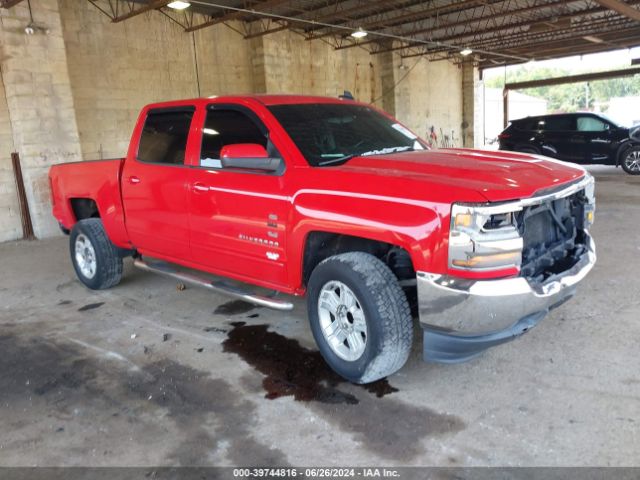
387	82
472	106
39	102
258	67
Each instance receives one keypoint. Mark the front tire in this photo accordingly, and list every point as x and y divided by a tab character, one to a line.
359	316
95	259
631	160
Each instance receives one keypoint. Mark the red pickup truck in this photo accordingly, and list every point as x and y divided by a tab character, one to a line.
336	200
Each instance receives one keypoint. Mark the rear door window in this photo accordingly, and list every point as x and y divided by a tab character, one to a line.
558	124
528	124
164	135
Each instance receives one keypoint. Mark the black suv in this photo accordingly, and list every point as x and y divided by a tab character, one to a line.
574	137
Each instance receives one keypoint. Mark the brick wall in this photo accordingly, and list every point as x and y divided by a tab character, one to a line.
75	93
115	69
38	96
295	65
430	96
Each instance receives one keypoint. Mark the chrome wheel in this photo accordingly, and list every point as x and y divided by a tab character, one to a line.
342	321
85	256
632	161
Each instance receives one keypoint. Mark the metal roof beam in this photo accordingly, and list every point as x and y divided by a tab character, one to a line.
508	26
622	8
152	5
594	27
413	16
235	15
344	14
460	23
9	3
540	42
586	77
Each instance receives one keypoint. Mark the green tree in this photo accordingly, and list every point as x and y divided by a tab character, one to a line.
570	97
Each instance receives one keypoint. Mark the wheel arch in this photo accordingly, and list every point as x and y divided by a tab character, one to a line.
319	245
624	146
83	208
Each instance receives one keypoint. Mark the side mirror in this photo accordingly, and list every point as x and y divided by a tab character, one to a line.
251	156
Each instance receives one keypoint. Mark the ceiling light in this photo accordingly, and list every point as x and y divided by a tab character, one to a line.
592	39
360	33
466	52
179	5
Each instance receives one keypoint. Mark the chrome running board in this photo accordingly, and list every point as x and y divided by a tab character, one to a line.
218	287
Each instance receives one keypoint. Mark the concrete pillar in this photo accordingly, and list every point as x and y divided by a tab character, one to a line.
387	82
472	106
258	67
39	103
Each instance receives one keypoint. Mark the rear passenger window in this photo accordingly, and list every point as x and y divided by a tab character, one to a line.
527	125
227	127
558	124
164	136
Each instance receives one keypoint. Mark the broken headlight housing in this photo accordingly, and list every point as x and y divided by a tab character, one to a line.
484	238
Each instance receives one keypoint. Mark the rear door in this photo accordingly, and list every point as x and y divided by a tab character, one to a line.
238	216
561	139
155	184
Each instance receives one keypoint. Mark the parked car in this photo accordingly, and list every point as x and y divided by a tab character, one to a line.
337	201
583	138
631	161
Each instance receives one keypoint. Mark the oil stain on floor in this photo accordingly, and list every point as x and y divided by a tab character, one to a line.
206	414
387	426
290	369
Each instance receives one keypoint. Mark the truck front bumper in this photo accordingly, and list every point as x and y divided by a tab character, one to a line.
462	318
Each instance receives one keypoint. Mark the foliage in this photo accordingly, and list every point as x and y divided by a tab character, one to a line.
570	97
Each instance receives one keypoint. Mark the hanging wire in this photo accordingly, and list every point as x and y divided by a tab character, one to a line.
432	43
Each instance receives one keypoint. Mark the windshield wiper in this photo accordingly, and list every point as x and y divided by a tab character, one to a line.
334	161
383	151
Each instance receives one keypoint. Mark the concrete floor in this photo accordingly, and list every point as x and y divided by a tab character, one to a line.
145	374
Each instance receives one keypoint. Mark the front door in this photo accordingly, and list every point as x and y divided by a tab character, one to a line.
155	185
598	139
238	217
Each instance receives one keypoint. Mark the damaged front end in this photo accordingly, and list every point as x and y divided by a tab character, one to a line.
544	237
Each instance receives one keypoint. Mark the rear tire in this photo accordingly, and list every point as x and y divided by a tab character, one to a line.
359	316
630	161
95	259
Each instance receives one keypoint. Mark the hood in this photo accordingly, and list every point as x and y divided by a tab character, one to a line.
495	175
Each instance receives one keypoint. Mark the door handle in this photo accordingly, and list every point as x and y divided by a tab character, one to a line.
199	187
134	180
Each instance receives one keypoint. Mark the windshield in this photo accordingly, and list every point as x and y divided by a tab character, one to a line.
328	134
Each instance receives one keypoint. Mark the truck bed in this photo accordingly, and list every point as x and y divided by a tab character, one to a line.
98	180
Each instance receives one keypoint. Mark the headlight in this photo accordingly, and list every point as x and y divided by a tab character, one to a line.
590	205
483	238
